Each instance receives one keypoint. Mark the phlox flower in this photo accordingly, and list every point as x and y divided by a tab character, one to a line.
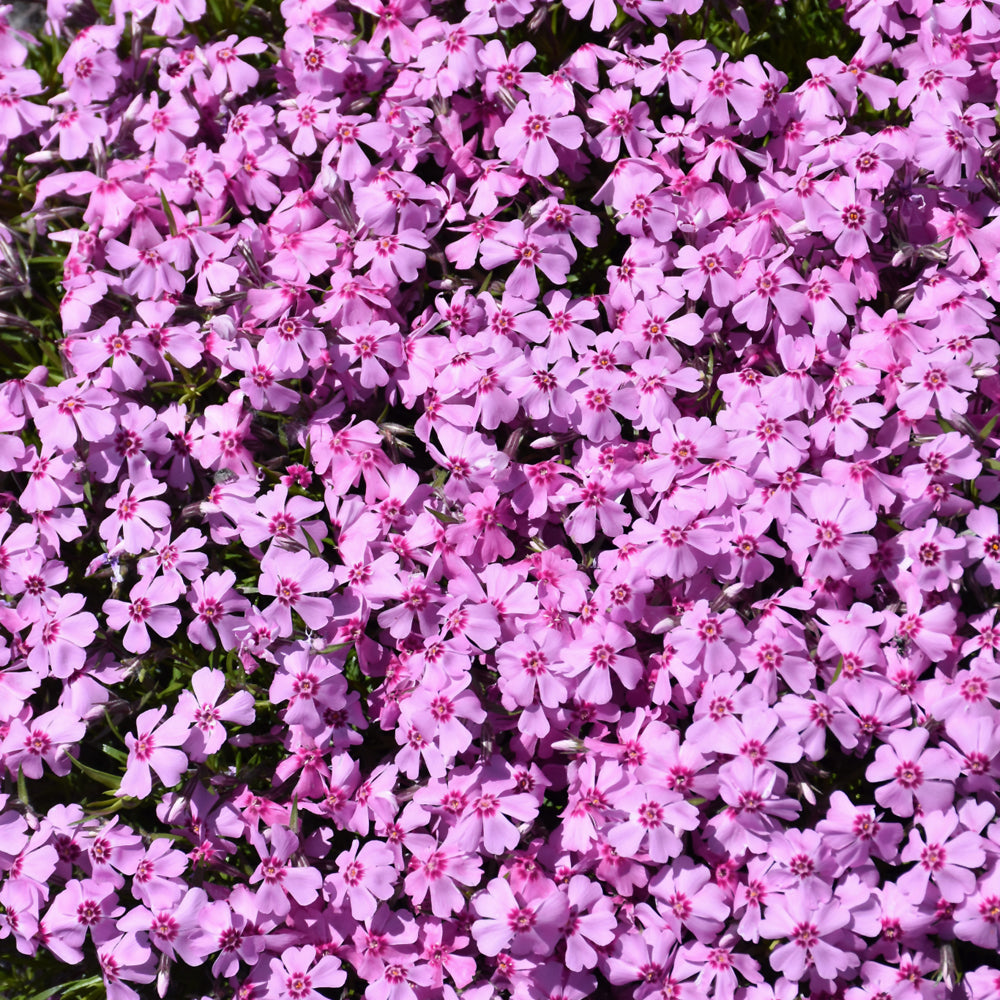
486	820
202	710
435	869
723	91
683	67
688	898
135	515
59	640
291	577
365	874
52	480
677	545
280	882
513	242
76	129
377	347
153	749
714	966
832	532
943	856
707	638
985	545
522	927
125	958
844	419
150	606
764	289
486	529
930	630
916	776
172	920
531	671
978	918
934	556
593	658
755	803
591	923
228	70
169	15
814	936
297	974
82	907
44	737
936	382
393	258
622	122
176	558
530	132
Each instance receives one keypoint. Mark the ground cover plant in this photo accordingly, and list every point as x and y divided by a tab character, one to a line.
500	500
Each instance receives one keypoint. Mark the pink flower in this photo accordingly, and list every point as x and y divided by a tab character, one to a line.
832	531
228	70
58	642
813	934
943	856
297	974
513	242
216	604
291	577
529	133
523	927
623	123
915	775
986	545
393	258
45	738
135	516
978	918
150	606
280	882
201	710
152	749
936	382
365	874
436	868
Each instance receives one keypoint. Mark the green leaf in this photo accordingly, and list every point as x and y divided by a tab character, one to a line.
102	777
169	212
119	755
77	986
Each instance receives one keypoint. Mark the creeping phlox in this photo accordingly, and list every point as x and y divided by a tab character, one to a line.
509	508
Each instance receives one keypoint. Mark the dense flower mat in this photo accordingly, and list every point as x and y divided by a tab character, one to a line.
509	504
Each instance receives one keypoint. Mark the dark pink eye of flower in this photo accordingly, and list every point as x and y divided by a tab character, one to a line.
805	935
929	554
909	774
720	707
536	127
828	534
298	985
931	79
720	83
521	920
934	378
853	216
88	912
621	122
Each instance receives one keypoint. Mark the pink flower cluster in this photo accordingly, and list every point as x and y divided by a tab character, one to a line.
560	481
